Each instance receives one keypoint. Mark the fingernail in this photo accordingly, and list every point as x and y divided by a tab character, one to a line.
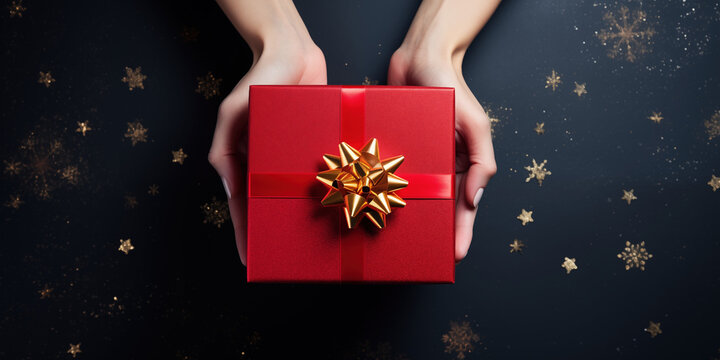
227	189
478	195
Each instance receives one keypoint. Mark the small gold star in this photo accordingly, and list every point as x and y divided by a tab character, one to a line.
126	246
580	89
629	195
153	190
569	264
540	128
179	156
537	172
14	202
45	292
16	8
83	127
46	79
134	78
714	182
12	167
136	132
654	329
367	81
516	246
656	117
130	202
208	86
634	255
552	80
525	217
74	349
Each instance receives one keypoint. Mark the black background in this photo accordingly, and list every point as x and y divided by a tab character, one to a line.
181	292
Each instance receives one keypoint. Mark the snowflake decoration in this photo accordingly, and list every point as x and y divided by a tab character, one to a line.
130	202
569	264
179	156
215	212
208	86
654	329
713	126
14	202
16	8
540	128
580	89
537	172
629	196
83	127
12	167
634	255
553	80
136	132
714	182
460	339
153	190
516	246
126	245
627	33
46	79
71	174
656	117
134	78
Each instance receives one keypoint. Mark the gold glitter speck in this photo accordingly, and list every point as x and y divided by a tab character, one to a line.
516	246
16	8
629	196
367	81
634	255
215	212
83	127
714	182
179	156
540	128
45	292
654	329
125	246
627	33
134	78
208	86
136	132
712	126
74	349
46	79
525	217
461	339
537	172
553	80
569	264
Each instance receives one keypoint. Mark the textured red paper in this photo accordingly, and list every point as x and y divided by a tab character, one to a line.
295	239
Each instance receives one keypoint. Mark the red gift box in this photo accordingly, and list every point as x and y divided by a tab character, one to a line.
291	237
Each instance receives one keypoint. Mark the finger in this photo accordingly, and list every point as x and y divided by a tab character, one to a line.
474	126
464	220
238	209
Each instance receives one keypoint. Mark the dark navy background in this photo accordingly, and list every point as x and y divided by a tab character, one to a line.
181	292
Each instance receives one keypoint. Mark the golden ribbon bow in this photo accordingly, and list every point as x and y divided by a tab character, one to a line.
363	183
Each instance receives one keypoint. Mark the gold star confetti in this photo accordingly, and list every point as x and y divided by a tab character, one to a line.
179	156
215	212
367	81
45	292
629	195
654	329
153	190
208	86
189	33
134	78
83	127
130	202
537	172
460	339
569	264
136	132
540	128
12	167
628	33
714	182
656	117
74	349
46	79
553	80
525	217
516	246
126	246
71	174
634	255
580	89
14	202
16	8
712	126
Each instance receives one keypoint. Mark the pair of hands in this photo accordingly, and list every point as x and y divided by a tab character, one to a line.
475	162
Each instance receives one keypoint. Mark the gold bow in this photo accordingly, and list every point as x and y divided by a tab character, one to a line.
363	183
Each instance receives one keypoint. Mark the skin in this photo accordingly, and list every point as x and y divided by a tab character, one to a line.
430	55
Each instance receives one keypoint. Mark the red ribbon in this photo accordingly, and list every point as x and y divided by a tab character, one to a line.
304	185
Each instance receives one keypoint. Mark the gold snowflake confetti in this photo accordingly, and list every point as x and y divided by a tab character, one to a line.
569	264
580	89
215	212
367	81
656	117
553	80
71	174
516	246
45	292
540	128
46	79
12	167
16	8
525	217
714	182
634	255
654	329
136	132
712	126
83	127
126	246
130	202
208	86
14	202
460	339
537	172
153	190
179	156
627	33
629	196
74	349
189	33
134	78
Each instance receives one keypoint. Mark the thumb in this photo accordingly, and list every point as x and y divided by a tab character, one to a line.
474	125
